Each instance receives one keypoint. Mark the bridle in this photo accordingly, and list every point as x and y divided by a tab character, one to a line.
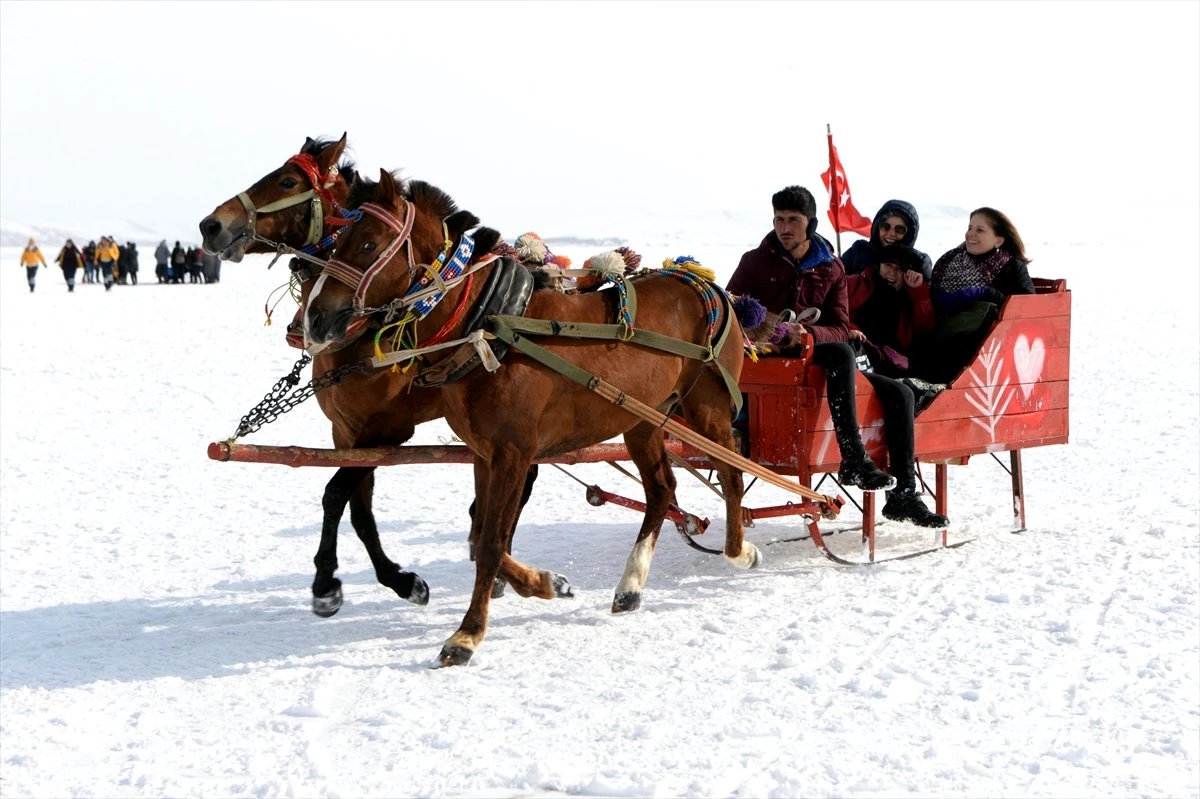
318	194
424	293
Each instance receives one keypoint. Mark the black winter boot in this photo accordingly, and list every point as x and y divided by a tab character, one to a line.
907	506
865	475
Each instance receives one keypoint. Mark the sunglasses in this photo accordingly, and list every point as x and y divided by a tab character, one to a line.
901	229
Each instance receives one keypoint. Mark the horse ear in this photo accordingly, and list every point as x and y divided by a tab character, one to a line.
386	196
308	145
327	160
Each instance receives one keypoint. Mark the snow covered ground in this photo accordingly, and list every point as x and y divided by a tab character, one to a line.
155	636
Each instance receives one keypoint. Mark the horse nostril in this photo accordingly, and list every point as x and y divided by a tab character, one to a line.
210	226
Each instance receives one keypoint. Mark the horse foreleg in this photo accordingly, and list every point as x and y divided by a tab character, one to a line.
497	506
645	445
327	589
530	477
407	585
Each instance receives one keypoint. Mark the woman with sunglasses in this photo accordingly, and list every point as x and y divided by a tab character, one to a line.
896	223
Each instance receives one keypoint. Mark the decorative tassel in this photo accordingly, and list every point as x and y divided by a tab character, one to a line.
269	307
750	312
606	265
689	264
531	249
631	258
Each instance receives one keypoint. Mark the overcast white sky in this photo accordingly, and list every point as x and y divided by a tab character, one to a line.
548	116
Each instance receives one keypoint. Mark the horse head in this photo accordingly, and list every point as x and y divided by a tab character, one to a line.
288	205
391	259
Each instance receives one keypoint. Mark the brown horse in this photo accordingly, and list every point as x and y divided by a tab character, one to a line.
525	410
282	207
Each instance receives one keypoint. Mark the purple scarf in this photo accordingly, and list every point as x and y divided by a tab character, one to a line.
958	270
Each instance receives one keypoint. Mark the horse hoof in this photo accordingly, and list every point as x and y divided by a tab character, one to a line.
750	558
418	592
625	602
407	585
328	605
562	586
498	586
454	655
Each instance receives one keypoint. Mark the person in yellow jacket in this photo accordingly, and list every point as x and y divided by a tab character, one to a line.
30	258
107	255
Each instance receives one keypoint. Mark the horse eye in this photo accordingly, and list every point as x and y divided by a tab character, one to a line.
289	183
368	246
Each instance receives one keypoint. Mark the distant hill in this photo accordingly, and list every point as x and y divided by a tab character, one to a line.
17	234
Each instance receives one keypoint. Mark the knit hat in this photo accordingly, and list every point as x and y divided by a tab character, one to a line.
906	258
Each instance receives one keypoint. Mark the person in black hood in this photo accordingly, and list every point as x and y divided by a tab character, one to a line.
896	222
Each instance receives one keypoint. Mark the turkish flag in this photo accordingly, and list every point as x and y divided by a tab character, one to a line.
842	212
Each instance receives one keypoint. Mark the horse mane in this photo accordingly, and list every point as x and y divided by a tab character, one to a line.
432	200
426	196
486	239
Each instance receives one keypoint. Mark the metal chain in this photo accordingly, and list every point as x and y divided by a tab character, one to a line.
284	395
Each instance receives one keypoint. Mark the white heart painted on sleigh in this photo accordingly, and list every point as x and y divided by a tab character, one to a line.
1028	360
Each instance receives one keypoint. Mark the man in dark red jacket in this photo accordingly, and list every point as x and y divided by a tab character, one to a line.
795	269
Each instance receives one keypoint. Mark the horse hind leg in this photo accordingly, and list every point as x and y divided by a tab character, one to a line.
407	585
646	450
711	418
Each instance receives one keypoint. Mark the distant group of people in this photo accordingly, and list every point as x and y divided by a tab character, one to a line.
111	263
918	323
175	264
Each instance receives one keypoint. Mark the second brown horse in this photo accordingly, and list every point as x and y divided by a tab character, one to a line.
525	410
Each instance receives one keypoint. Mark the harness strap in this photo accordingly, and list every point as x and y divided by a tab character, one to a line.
514	329
658	418
626	307
515	326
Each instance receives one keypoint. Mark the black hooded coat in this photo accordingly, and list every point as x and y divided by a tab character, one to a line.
866	253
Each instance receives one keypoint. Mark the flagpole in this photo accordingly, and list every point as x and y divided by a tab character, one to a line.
834	204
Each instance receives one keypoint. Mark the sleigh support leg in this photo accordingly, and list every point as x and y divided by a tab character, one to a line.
942	500
868	530
1018	491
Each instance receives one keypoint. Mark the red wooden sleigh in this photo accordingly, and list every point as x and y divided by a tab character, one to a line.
1013	396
